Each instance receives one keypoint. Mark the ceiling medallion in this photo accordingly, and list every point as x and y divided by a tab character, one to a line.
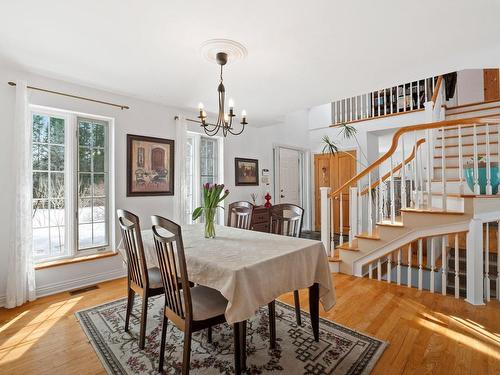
224	119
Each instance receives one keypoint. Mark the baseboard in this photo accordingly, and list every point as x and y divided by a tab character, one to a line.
81	282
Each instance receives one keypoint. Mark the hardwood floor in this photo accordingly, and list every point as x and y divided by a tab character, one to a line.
427	333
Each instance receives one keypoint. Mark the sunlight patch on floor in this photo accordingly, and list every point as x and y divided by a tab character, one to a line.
14	347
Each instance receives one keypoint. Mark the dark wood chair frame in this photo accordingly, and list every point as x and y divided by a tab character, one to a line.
241	212
288	226
178	303
137	270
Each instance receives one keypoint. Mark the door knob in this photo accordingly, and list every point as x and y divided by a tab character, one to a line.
282	196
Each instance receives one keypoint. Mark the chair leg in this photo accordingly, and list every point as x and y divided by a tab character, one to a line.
144	317
186	356
162	342
243	347
209	335
272	324
130	304
297	307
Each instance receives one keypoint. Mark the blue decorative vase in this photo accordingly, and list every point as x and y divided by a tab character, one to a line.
469	176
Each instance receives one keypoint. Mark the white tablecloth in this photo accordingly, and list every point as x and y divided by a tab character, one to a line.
251	268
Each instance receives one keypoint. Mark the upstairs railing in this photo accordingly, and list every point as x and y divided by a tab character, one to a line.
398	99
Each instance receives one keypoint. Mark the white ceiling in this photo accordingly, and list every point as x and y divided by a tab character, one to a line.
300	53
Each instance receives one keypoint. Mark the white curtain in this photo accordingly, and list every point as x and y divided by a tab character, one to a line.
180	171
21	274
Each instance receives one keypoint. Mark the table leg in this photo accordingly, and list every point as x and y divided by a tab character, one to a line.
237	348
243	345
272	324
314	309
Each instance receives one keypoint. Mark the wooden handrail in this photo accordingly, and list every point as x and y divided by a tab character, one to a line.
407	129
436	90
397	168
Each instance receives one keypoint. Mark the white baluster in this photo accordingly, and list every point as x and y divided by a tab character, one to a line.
488	161
383	104
430	154
377	203
420	267
379	270
408	276
341	222
487	263
457	268
476	167
353	213
403	173
421	174
411	96
381	199
426	97
444	267
460	160
433	262
389	268
373	104
360	210
392	195
416	171
498	252
398	268
370	271
443	171
390	100
370	202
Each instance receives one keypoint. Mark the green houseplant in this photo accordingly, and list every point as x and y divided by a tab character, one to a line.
212	196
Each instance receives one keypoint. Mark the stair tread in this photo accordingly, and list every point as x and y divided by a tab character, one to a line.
466	135
432	210
345	246
367	236
467	144
334	259
463	155
388	223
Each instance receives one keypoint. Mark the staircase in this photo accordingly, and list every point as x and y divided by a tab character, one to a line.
419	223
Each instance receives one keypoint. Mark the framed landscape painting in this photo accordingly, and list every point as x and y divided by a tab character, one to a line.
246	172
150	166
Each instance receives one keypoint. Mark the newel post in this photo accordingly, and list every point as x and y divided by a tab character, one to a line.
475	263
325	219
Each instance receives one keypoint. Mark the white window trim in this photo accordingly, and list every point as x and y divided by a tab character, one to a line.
196	172
71	195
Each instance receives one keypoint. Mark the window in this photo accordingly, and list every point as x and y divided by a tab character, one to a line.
70	184
203	164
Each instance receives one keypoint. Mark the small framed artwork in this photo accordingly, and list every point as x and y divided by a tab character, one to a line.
150	166
246	172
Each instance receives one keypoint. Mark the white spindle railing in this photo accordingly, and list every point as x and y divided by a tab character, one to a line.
397	99
381	203
487	263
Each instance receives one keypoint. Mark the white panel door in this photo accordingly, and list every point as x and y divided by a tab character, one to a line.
289	176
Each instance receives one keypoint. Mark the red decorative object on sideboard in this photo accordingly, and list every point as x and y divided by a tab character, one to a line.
267	197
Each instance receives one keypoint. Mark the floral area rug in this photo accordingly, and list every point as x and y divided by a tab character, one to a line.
339	351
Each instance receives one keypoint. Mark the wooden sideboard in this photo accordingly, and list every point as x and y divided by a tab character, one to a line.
260	219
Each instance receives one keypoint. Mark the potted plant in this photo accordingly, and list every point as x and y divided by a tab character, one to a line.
212	196
481	163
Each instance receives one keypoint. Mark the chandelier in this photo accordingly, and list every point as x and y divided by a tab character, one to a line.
224	120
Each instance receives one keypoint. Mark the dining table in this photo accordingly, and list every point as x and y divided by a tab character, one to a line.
251	269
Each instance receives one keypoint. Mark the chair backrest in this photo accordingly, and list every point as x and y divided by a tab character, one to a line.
286	219
172	262
132	240
240	215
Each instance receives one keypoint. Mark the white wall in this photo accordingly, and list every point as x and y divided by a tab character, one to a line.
470	86
143	118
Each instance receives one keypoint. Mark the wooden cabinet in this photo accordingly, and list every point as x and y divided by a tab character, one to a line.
334	171
260	219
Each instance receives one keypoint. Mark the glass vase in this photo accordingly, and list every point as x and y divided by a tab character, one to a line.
210	222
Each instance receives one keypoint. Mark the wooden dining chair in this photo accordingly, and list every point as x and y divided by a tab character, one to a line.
240	215
140	279
189	309
286	219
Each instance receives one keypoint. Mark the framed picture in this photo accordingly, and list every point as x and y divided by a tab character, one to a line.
150	166
246	172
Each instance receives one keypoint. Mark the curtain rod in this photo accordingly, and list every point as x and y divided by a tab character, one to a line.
74	96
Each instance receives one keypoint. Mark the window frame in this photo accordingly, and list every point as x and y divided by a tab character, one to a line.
71	180
196	165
